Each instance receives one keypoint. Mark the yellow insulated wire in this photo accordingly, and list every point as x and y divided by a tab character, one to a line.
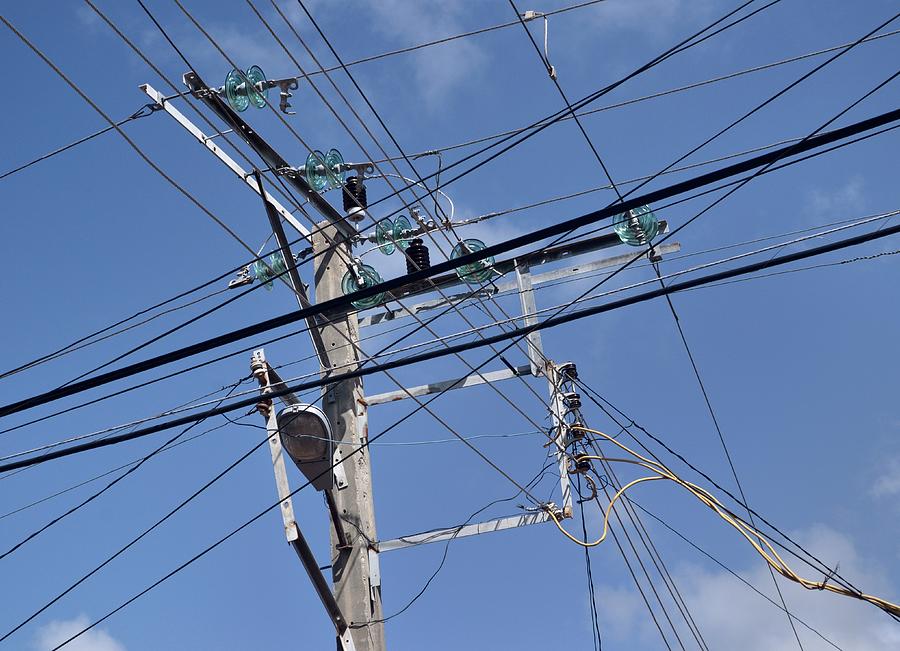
753	536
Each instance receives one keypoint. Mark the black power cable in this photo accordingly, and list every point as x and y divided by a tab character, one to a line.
343	302
519	333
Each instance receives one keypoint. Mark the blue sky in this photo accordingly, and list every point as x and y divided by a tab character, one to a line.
801	368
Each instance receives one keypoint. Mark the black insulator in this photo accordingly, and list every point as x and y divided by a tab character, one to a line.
354	193
417	256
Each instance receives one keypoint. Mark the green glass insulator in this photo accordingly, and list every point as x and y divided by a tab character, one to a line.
384	232
637	227
236	91
264	273
402	225
365	277
256	93
334	163
476	272
316	172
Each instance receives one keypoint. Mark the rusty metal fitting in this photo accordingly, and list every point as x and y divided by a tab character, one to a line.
264	407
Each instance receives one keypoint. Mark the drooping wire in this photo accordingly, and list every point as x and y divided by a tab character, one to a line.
55	520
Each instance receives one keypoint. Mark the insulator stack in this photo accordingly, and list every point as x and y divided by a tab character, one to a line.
418	257
355	202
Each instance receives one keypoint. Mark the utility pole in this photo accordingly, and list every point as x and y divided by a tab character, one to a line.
355	606
355	571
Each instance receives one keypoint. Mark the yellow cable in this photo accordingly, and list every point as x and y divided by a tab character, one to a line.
756	539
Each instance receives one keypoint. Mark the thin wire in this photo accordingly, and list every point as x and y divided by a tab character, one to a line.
277	504
190	197
383	55
672	50
34	534
718	428
443	560
144	111
599	400
729	570
596	638
138	538
671	91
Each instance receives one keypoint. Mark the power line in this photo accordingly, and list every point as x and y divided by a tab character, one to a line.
446	39
513	243
521	332
389	350
671	51
144	111
656	95
34	534
137	538
730	571
598	399
369	441
774	262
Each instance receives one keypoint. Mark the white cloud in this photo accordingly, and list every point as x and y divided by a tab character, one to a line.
888	482
657	17
848	198
438	70
55	632
731	616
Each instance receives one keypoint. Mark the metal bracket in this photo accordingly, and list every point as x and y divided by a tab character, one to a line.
340	475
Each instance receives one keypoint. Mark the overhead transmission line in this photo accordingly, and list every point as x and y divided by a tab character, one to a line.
695	39
656	95
725	567
788	257
599	400
339	253
680	47
411	262
670	585
826	125
91	338
55	520
507	245
195	404
150	108
750	533
369	441
553	321
671	305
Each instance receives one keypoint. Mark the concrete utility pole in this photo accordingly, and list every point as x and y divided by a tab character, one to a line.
355	569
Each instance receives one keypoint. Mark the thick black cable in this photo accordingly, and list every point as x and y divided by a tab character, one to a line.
520	332
339	303
271	395
673	50
470	293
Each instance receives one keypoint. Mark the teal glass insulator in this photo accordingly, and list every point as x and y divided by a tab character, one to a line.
402	225
334	163
476	272
384	234
257	93
365	277
637	227
236	91
316	172
261	270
